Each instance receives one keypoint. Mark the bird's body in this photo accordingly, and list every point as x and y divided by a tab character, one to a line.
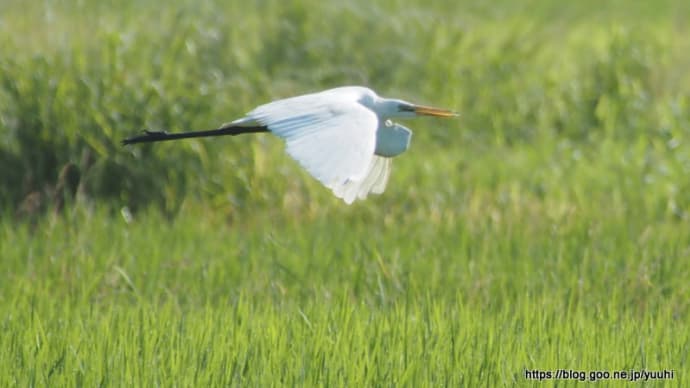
343	136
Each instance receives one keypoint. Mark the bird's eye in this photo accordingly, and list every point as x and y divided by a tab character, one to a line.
388	123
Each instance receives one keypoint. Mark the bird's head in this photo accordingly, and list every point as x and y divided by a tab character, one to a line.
390	108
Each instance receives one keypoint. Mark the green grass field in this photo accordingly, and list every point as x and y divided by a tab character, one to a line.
545	229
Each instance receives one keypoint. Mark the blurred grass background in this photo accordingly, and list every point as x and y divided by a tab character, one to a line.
548	220
556	86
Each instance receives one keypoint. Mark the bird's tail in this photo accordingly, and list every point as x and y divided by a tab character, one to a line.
226	130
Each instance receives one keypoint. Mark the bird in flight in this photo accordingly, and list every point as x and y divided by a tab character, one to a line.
343	137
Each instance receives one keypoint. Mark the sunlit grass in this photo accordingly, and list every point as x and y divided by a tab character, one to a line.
92	298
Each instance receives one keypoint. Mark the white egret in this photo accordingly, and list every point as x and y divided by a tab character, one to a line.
343	137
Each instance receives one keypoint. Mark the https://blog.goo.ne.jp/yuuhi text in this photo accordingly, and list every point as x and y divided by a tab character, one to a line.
596	375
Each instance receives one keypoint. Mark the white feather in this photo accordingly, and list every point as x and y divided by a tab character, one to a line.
374	181
334	142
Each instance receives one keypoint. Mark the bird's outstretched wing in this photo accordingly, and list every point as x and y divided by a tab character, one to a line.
333	139
374	182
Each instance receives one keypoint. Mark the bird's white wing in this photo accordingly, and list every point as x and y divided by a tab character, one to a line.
374	181
332	138
379	173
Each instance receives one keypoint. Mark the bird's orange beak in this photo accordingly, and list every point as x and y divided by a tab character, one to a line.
431	111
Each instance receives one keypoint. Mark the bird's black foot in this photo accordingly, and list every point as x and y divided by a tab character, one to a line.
148	136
